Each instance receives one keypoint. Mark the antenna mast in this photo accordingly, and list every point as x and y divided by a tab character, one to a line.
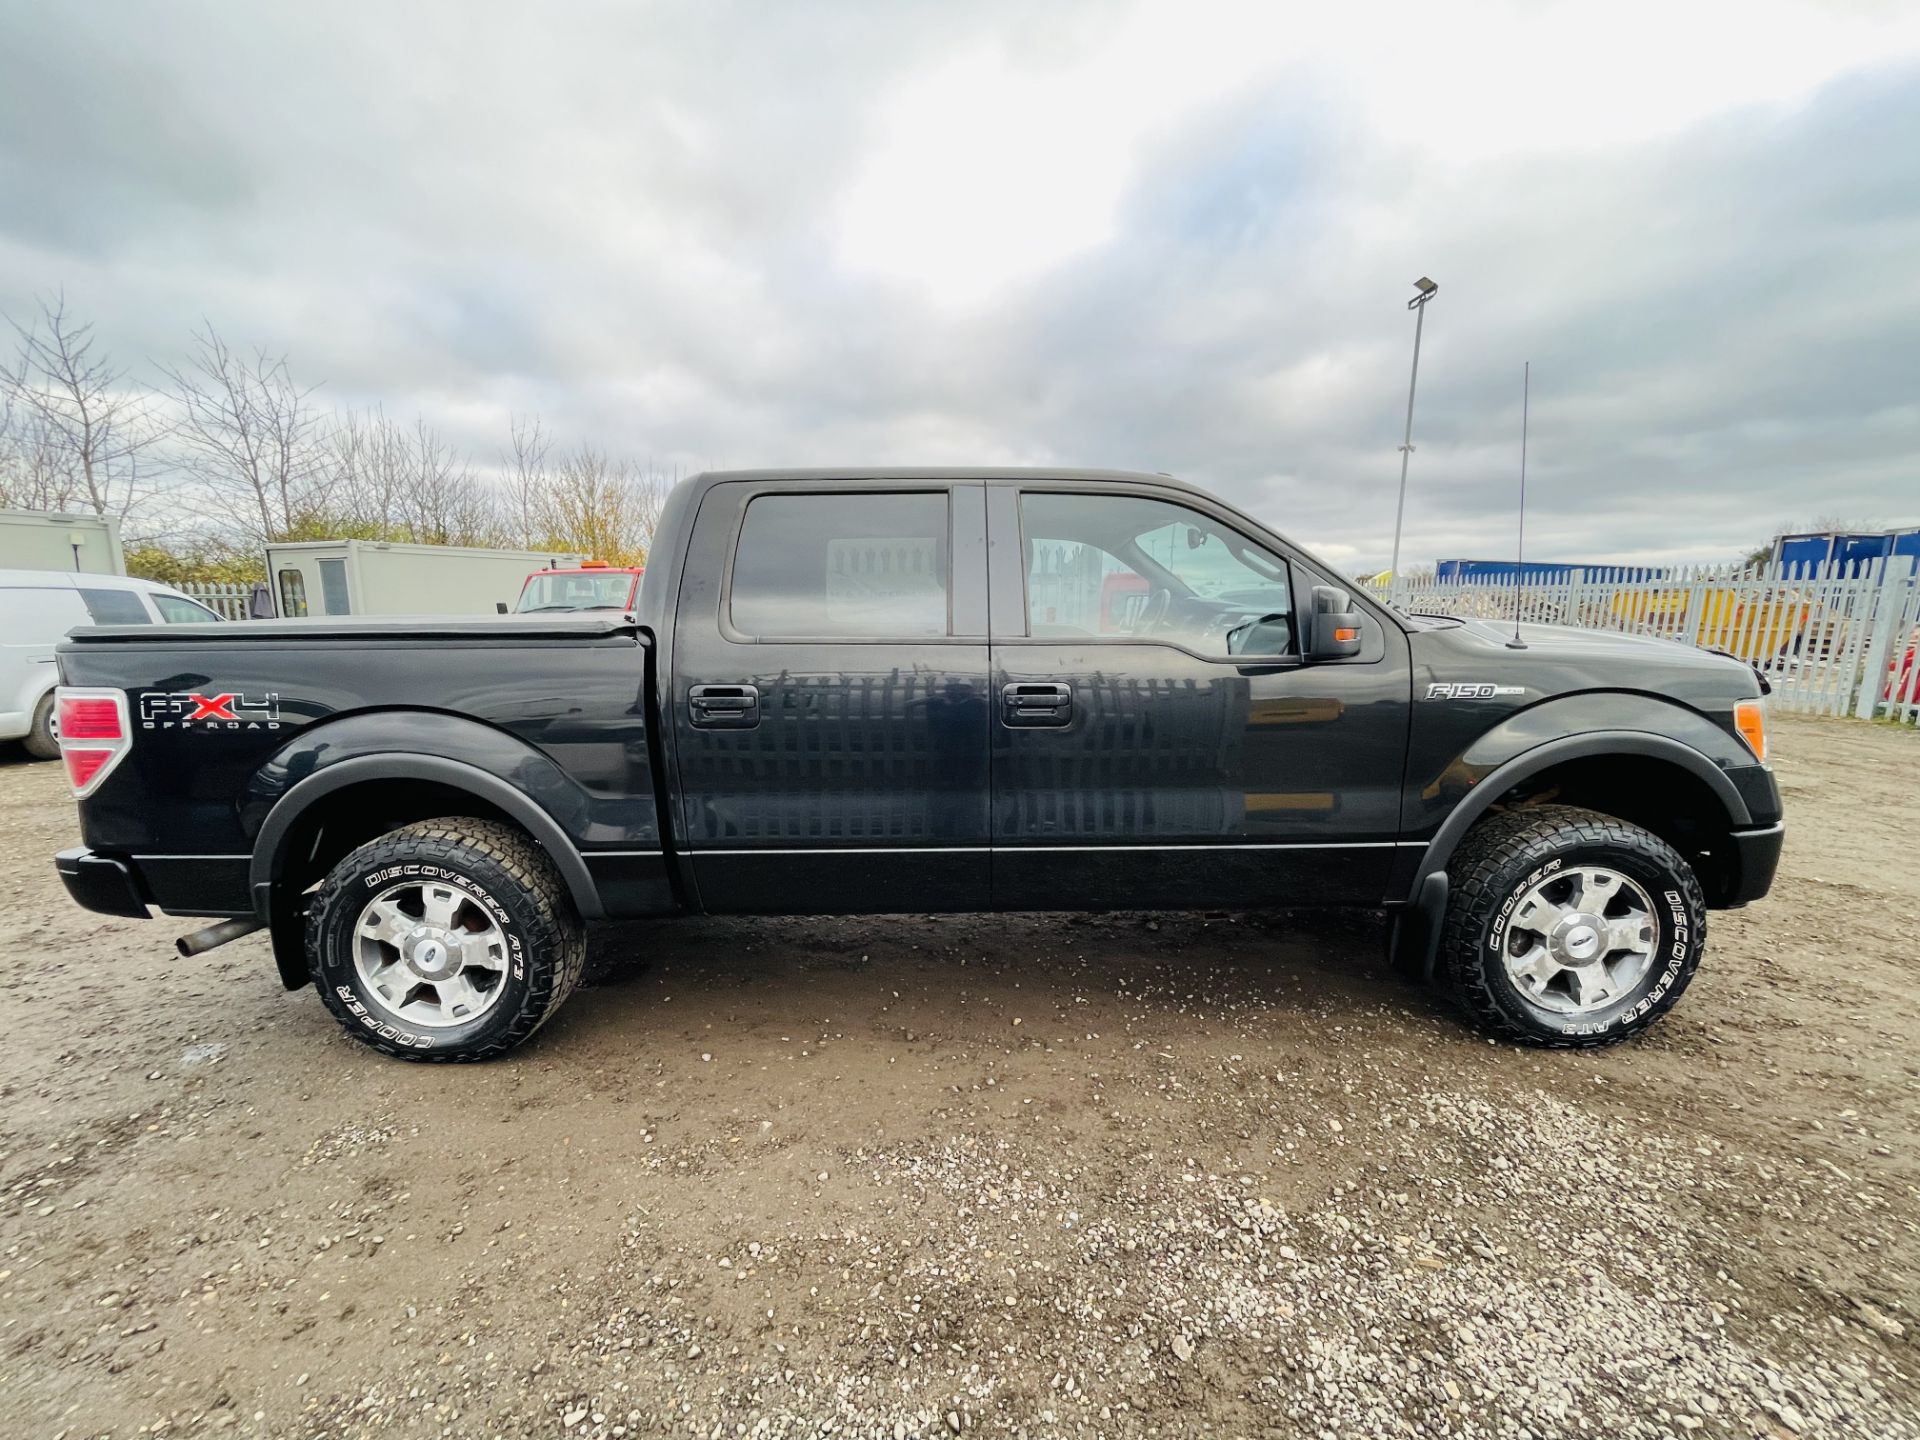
1520	549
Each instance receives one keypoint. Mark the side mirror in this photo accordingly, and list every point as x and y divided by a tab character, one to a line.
499	607
1334	629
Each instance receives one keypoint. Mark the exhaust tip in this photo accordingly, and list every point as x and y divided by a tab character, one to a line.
201	941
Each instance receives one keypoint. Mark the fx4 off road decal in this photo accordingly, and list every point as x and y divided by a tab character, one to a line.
1470	690
191	710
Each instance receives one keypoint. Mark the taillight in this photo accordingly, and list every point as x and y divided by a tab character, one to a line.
84	767
89	717
94	734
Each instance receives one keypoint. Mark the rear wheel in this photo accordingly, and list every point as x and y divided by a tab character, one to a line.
446	940
1569	928
43	740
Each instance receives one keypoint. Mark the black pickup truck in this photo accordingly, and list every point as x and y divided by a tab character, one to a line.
922	690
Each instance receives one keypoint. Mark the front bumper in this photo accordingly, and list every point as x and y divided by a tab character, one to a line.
1756	856
99	882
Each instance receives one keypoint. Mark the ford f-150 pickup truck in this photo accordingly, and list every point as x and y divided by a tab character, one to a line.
922	690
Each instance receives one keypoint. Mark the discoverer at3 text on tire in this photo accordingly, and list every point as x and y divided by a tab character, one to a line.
446	940
1569	928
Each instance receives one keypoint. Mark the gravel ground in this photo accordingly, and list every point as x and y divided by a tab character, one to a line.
1017	1175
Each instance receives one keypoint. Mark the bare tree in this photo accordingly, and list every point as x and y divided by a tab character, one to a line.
248	432
364	476
36	472
444	502
389	481
601	507
98	430
528	477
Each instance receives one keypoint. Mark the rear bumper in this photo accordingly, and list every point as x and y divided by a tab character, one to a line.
209	885
1756	856
99	882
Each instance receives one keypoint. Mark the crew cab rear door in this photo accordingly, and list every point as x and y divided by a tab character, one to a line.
829	697
1143	755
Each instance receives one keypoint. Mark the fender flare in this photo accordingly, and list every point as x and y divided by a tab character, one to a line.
264	872
1531	762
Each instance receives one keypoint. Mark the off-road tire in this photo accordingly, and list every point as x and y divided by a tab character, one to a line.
40	741
527	899
1505	855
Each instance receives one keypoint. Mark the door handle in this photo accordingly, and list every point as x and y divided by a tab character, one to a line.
724	707
1035	705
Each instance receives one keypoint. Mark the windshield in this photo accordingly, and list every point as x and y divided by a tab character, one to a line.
574	590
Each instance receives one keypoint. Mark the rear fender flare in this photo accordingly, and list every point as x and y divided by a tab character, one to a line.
270	843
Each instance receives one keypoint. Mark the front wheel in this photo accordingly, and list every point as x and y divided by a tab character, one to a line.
445	940
1569	928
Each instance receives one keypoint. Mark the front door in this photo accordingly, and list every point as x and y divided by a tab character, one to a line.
1157	740
830	698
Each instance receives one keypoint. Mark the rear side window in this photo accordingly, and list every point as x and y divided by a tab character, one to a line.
825	566
115	607
178	610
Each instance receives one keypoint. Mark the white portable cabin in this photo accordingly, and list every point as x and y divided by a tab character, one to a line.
375	577
57	540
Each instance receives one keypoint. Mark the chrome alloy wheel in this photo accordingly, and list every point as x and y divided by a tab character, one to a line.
1580	940
429	953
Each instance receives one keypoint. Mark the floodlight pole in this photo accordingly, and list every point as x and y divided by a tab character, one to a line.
1418	305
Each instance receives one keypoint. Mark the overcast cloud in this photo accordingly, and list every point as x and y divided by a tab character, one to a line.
1173	237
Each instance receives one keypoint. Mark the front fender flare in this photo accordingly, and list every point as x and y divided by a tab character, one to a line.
457	774
1555	752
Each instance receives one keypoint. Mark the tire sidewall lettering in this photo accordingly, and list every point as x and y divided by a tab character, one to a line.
383	1029
1497	931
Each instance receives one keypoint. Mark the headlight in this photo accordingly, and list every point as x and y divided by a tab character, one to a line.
1750	719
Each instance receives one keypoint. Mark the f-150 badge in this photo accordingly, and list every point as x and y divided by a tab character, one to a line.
190	710
1470	690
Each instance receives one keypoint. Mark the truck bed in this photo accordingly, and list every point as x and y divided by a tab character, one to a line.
227	718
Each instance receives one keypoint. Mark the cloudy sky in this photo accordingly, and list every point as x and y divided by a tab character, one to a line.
1159	236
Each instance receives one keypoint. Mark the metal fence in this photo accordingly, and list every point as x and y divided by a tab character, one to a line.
1833	639
229	601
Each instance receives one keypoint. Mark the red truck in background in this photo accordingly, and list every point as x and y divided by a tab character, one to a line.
594	585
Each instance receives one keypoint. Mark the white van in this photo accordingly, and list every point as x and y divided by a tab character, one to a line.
37	609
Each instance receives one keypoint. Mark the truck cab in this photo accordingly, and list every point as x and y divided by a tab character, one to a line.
1020	695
